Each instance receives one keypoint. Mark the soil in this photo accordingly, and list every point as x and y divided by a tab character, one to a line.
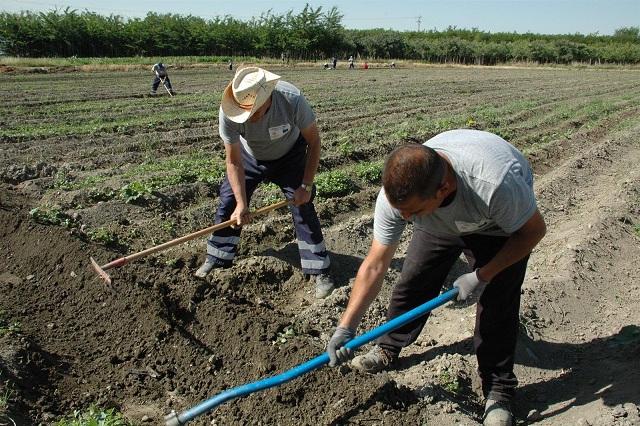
159	339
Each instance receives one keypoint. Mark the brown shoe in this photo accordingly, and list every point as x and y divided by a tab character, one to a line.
374	361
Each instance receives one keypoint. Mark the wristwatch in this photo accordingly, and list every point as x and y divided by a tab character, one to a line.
307	187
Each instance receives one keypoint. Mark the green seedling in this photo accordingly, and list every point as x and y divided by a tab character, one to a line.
370	172
103	236
48	215
449	382
286	334
134	191
94	416
7	327
334	184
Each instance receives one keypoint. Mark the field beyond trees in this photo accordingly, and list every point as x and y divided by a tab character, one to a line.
90	165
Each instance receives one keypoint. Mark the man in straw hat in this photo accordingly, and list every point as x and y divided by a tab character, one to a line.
465	191
269	133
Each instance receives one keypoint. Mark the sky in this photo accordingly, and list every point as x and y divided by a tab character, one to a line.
537	16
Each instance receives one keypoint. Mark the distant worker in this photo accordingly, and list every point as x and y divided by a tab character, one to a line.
270	134
365	66
334	61
230	65
161	76
351	66
393	65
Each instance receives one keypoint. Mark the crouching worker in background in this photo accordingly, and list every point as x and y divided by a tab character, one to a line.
161	76
465	191
270	134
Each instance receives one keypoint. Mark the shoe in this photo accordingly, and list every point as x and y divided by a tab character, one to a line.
374	361
172	92
153	93
324	285
497	413
206	267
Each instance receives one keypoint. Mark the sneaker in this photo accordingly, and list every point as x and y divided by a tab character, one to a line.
374	361
172	92
206	267
153	93
324	285
497	413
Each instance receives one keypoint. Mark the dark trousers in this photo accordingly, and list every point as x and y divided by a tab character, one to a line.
157	81
427	263
286	172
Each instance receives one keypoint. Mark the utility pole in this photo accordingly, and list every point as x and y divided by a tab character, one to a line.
419	20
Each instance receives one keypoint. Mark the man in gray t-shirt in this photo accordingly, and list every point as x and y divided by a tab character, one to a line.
269	132
465	191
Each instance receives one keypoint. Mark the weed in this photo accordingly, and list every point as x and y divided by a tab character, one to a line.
346	148
334	184
94	416
97	195
48	215
169	226
370	172
449	382
286	334
636	230
134	191
4	399
104	236
8	327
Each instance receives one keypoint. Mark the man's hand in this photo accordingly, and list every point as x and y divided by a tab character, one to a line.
301	196
241	216
335	348
469	283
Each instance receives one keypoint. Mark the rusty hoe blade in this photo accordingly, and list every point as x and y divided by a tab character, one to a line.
105	277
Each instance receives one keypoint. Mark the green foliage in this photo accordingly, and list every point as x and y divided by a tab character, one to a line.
370	172
286	334
97	195
48	215
94	416
636	230
334	184
449	382
310	34
134	191
103	236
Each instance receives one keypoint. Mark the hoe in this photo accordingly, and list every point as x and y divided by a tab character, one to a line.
101	270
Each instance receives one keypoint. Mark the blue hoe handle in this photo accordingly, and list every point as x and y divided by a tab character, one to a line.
175	419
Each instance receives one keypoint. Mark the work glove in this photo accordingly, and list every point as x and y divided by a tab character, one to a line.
468	284
335	348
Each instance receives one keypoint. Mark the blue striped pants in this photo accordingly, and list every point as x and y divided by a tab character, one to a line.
286	172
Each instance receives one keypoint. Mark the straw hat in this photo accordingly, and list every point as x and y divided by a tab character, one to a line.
248	91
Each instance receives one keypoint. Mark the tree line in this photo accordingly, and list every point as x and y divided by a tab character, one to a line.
312	34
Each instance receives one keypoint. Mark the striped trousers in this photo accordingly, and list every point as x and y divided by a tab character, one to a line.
287	173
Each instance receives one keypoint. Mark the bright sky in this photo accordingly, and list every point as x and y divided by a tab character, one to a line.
538	16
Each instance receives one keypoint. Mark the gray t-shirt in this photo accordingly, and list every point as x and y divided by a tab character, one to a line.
275	133
494	194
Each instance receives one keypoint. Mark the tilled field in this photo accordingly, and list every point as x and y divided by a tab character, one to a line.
91	166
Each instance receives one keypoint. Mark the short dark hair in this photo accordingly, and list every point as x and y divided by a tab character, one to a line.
412	170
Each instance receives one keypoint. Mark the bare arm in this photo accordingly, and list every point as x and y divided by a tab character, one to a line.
368	283
517	247
312	136
235	174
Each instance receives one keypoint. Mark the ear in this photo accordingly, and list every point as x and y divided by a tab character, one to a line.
443	190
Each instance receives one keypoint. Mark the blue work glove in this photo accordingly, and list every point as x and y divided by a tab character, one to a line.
468	284
335	348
